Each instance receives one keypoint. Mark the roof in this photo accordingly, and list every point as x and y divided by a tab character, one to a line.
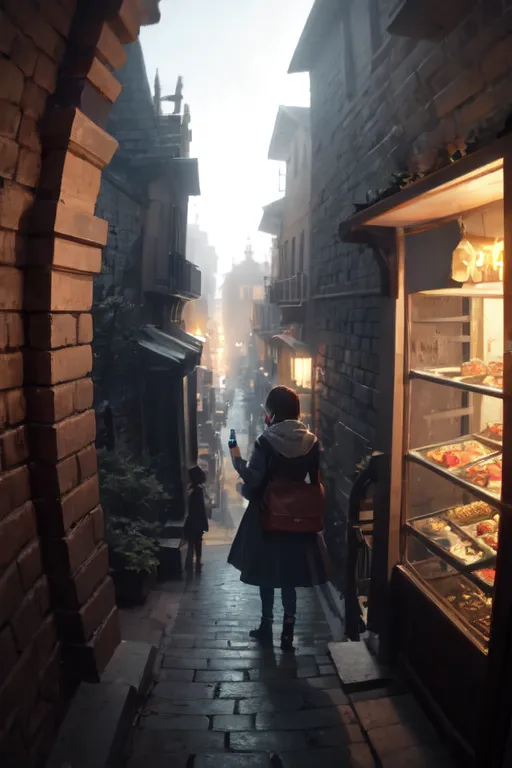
288	119
323	14
174	348
298	347
272	219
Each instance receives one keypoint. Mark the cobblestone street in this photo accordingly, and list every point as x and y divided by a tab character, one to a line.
220	701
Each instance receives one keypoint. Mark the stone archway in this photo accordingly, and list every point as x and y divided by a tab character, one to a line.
58	620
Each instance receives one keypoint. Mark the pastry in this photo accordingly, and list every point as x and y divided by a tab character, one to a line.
478	510
486	475
488	526
474	367
494	429
487	575
432	525
491	541
496	368
466	552
493	381
458	455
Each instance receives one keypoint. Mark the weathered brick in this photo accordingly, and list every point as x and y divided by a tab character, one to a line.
29	134
55	442
70	178
66	555
7	33
475	110
11	370
50	481
65	254
90	660
13	447
47	289
11	593
79	627
50	677
14	489
45	642
58	16
56	516
51	217
98	520
85	330
72	592
10	118
87	462
30	565
8	652
15	202
50	331
15	405
127	23
11	288
28	168
57	366
83	395
16	530
109	48
12	82
48	404
33	102
9	244
9	152
26	621
45	74
14	323
24	54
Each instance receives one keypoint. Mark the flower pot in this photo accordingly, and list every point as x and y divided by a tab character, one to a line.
132	587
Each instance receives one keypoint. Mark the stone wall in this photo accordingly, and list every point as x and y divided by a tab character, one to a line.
58	620
379	105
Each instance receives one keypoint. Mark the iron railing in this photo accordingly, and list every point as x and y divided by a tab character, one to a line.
184	278
291	290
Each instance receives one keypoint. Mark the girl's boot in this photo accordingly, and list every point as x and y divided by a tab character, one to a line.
264	633
287	634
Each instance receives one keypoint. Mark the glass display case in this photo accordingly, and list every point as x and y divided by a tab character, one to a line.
454	428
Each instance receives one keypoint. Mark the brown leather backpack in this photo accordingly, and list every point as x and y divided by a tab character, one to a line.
293	506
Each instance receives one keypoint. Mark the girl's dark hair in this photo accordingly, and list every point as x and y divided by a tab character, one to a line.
196	475
282	404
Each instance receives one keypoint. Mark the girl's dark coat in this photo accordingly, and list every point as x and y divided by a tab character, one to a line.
275	559
197	520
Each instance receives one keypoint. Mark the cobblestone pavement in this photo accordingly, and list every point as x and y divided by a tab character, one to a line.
219	701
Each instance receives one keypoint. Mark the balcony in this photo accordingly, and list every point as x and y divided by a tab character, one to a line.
265	318
183	278
291	292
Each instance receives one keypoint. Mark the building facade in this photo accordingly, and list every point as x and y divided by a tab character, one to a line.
58	619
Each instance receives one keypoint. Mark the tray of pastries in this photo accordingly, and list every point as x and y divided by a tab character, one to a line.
470	513
493	431
446	537
468	601
452	456
487	575
485	474
474	371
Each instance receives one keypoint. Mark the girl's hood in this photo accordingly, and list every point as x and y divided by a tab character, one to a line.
290	438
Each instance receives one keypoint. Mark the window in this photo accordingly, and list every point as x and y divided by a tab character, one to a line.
293	257
258	292
301	251
375	25
301	372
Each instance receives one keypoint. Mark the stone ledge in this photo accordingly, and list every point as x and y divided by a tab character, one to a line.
97	725
356	667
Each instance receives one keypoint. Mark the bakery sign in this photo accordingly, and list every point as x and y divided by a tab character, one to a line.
478	260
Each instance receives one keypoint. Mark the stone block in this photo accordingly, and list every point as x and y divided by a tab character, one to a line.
7	34
497	60
87	462
28	168
13	447
356	666
127	22
15	202
9	152
55	442
49	217
79	626
95	728
16	530
64	254
268	741
132	664
26	621
85	329
109	48
51	331
58	366
68	128
15	406
48	289
29	134
11	593
10	118
65	556
391	739
24	54
14	489
72	592
11	289
184	691
57	515
104	81
12	82
8	653
467	84
33	102
71	179
231	761
89	661
45	75
30	564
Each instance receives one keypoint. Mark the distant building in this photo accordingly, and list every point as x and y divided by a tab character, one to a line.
242	285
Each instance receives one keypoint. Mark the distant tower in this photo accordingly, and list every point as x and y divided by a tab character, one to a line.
249	252
158	95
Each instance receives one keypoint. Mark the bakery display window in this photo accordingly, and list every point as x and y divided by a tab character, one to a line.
454	428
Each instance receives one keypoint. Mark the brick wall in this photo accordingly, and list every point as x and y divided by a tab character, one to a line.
58	620
391	106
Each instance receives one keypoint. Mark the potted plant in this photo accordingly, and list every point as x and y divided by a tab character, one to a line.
133	552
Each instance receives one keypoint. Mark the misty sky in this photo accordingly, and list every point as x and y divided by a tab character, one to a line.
233	55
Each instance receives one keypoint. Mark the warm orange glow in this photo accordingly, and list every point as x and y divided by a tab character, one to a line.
478	260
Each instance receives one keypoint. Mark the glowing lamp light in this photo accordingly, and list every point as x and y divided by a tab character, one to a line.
301	371
478	260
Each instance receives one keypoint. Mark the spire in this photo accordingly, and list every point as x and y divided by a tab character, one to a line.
158	95
249	252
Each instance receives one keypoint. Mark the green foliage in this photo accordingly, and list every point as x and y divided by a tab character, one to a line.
115	350
133	545
130	489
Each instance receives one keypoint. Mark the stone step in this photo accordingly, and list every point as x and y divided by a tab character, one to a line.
356	667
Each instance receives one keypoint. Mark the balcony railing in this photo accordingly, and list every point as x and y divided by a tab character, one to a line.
184	278
265	317
290	291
